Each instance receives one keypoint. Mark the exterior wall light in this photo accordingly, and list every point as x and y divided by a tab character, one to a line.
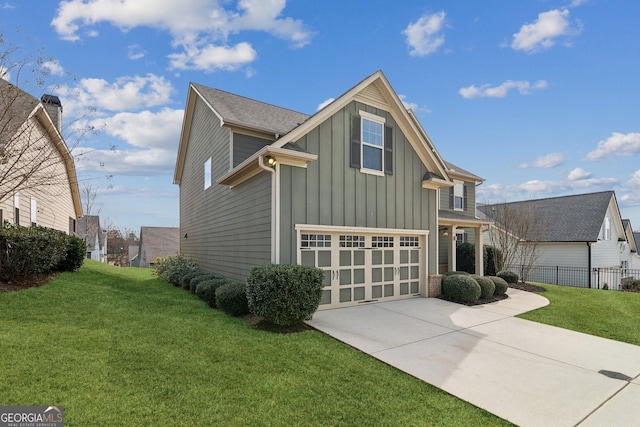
271	161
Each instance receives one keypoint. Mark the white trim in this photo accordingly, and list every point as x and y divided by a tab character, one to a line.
34	210
361	230
372	117
275	211
457	183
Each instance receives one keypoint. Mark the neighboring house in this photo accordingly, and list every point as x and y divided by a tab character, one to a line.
38	184
134	260
157	242
582	231
457	218
629	257
352	189
95	237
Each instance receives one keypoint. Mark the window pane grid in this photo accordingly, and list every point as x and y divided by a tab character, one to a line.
315	240
382	241
351	241
412	241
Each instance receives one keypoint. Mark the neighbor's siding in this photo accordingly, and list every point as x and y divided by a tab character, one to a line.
572	254
228	229
606	253
54	201
330	192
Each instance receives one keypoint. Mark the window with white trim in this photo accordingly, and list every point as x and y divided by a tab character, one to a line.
458	196
371	144
34	211
207	173
16	207
461	237
607	228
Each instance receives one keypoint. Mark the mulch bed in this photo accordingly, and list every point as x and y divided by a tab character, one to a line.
26	283
259	323
527	287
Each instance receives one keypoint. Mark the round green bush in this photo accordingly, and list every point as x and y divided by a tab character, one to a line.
232	299
455	273
500	283
487	287
202	277
284	294
185	279
461	288
75	255
508	276
206	290
171	268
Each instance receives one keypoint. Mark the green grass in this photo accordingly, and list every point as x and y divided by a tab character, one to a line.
119	347
608	314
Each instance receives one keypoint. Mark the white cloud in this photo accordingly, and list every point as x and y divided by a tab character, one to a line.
325	103
424	36
154	161
210	57
127	93
134	52
53	68
487	91
635	180
579	174
618	144
575	3
551	160
146	129
8	6
543	33
200	28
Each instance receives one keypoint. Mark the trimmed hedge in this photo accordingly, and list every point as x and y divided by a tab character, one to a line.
508	276
461	288
206	290
232	299
455	273
284	294
185	279
491	255
466	257
202	277
500	283
171	268
28	251
487	287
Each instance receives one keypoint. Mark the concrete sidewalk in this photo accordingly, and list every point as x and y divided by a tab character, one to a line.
525	372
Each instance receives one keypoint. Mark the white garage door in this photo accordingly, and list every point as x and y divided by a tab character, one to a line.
364	265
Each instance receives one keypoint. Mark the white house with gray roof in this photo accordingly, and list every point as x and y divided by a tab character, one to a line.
583	231
354	189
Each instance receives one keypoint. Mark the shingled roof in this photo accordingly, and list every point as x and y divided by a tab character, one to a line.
576	218
15	107
245	112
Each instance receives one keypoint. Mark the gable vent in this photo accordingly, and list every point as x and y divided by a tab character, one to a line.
372	95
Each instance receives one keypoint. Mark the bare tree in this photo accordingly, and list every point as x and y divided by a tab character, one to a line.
33	151
517	232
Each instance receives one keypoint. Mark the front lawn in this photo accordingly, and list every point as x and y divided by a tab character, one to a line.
608	314
119	347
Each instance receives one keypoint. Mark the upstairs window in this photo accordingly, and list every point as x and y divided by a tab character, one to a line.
34	211
607	229
458	196
16	207
371	144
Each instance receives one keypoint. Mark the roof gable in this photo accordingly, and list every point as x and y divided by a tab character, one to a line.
575	218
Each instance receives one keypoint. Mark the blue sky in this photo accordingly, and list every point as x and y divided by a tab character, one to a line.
540	98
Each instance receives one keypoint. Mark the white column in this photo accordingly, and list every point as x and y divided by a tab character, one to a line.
452	248
479	252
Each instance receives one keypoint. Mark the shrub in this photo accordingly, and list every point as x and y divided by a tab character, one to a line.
206	290
284	294
466	257
500	283
487	287
76	250
171	268
185	279
491	256
202	277
454	273
461	288
27	251
508	276
232	299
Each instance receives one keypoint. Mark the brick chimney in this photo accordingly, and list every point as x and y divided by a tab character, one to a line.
54	107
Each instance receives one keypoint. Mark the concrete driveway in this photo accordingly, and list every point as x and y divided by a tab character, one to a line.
525	372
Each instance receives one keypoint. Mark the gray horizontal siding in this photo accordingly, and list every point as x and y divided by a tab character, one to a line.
245	146
228	229
330	192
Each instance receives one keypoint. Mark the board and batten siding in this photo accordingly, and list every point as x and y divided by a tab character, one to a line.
470	188
228	230
330	192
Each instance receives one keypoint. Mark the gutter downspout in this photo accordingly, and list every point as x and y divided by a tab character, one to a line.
589	260
275	197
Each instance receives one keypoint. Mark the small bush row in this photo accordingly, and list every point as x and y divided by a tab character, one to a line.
29	251
468	289
183	272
